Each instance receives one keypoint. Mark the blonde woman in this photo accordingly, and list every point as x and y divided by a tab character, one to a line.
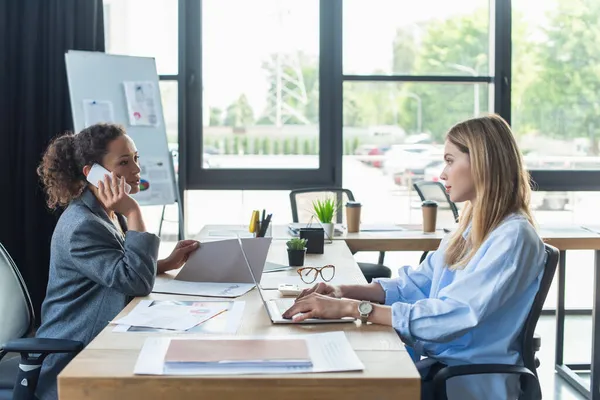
467	302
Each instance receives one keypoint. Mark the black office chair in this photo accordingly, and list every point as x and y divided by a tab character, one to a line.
19	382
301	201
428	190
530	385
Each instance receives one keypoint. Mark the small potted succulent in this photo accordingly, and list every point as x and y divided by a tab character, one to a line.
325	211
296	248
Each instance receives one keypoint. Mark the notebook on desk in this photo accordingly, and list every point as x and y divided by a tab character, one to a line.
232	353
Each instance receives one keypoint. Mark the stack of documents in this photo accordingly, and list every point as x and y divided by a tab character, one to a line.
327	352
172	316
227	322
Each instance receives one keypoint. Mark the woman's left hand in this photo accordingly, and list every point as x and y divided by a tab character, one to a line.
178	256
320	306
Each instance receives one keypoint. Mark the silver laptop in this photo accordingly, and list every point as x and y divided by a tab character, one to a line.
276	307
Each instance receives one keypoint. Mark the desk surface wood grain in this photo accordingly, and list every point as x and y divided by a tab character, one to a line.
104	369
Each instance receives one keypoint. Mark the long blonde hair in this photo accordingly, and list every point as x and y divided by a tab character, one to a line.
502	185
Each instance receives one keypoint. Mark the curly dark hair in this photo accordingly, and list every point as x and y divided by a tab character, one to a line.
61	169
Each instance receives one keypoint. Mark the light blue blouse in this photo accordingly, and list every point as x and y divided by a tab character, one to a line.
473	315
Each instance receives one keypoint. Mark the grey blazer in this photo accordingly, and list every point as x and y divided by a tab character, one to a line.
94	273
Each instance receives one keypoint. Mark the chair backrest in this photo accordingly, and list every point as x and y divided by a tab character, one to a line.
429	190
301	201
17	316
528	351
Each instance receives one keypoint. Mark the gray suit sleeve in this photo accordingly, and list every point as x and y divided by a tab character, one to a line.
98	255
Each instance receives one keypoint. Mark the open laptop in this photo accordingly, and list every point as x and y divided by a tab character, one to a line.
276	307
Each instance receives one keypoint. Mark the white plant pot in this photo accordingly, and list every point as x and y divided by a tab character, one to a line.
328	228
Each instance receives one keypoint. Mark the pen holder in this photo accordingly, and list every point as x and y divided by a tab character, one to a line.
315	240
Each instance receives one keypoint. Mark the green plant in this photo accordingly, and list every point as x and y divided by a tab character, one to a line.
306	150
226	146
266	146
287	146
325	210
296	244
256	147
355	144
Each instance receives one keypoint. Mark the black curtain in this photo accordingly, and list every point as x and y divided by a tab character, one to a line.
34	107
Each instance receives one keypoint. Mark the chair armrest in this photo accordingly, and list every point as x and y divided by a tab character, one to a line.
440	378
33	352
41	345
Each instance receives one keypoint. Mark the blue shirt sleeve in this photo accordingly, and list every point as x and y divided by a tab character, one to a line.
412	284
503	267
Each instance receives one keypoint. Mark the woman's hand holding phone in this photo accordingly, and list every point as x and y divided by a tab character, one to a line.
112	194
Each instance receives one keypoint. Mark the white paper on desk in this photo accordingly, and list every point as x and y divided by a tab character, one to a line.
273	280
381	228
209	289
329	352
222	261
171	316
227	322
274	267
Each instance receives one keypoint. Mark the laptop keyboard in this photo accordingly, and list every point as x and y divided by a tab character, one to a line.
283	304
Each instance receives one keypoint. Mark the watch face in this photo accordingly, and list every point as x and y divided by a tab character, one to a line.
365	307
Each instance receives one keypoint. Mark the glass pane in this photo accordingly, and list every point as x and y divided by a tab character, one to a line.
393	137
169	97
430	37
261	88
146	28
556	82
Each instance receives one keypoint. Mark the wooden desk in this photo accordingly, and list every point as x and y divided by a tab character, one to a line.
564	237
104	369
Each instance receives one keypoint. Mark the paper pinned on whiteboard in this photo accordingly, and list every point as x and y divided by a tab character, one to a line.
155	186
96	111
142	103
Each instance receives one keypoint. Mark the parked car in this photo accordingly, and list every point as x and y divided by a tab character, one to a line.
404	161
368	151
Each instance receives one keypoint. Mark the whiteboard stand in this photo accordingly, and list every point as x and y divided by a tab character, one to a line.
179	209
181	224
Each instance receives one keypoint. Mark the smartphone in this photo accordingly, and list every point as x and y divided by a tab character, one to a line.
97	174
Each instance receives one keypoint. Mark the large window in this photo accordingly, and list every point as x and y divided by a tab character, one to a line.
556	82
429	37
261	88
143	28
257	115
410	73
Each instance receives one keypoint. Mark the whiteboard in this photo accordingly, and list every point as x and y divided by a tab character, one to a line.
100	78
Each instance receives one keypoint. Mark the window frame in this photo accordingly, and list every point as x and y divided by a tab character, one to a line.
330	115
331	79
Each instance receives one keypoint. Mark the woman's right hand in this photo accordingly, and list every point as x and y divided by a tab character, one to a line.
324	289
112	194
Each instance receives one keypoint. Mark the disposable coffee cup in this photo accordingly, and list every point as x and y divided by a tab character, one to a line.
353	216
429	208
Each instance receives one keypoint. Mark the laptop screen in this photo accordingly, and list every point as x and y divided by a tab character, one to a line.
252	273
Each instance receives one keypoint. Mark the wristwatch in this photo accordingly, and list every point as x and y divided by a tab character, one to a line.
365	309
